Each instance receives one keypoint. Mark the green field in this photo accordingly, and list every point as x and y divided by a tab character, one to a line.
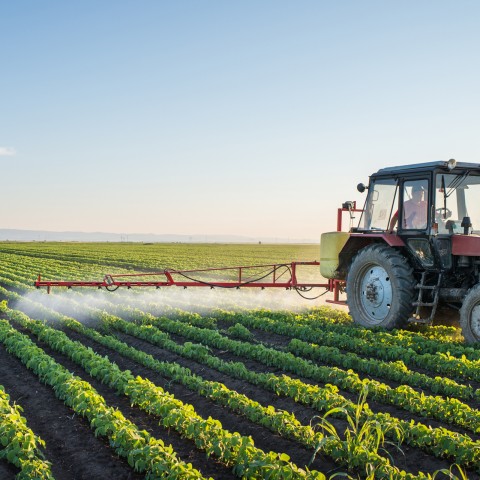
203	383
162	255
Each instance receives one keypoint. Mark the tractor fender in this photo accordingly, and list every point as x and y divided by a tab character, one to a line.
467	245
357	241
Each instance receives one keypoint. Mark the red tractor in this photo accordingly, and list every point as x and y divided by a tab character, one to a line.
417	246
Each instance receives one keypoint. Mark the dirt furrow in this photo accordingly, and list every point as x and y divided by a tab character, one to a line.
71	446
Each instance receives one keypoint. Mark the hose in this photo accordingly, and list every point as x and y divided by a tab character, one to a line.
112	289
247	282
298	290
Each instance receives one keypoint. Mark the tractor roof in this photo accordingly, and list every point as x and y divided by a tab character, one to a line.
423	167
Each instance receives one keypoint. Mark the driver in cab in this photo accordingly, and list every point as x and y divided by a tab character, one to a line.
415	210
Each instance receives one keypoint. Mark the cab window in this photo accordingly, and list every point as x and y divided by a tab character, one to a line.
457	197
379	205
415	205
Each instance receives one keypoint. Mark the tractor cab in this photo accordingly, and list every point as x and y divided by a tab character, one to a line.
433	198
416	246
426	205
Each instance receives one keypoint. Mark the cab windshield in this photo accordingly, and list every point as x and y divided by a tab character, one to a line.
379	205
457	197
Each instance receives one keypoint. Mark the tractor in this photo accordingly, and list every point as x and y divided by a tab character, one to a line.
416	247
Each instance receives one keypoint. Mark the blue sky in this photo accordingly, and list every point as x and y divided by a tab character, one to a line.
248	118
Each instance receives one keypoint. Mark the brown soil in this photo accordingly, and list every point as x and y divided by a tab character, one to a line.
72	448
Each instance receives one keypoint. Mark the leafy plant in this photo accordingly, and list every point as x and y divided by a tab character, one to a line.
363	439
240	332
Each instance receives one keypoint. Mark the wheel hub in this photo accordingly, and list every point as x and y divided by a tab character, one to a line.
376	293
475	321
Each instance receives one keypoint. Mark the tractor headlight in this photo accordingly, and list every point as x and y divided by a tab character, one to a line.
420	247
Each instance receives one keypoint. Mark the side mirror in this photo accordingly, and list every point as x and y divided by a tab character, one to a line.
361	187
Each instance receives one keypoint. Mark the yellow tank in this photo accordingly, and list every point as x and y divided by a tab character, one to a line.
331	244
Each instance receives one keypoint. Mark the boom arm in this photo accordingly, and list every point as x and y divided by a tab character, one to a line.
239	277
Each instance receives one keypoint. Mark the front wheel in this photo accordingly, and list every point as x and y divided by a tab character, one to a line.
470	315
380	287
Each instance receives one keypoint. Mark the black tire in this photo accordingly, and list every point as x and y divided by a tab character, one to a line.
380	288
470	315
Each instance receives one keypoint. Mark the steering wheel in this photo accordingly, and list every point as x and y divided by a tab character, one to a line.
443	213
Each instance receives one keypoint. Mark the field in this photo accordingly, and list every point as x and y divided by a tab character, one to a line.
203	383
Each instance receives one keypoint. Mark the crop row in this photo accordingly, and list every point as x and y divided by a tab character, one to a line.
342	397
369	344
444	443
396	371
231	448
397	338
438	441
332	349
280	422
143	452
449	446
319	315
19	445
449	410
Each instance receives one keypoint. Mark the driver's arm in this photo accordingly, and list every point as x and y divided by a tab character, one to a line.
393	222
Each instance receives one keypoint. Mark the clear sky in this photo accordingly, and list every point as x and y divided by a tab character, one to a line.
254	118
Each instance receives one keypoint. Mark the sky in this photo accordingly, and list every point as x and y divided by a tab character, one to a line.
253	118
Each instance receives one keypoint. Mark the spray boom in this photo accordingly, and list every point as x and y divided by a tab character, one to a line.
283	275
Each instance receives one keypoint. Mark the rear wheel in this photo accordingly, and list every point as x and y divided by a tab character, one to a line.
470	315
380	288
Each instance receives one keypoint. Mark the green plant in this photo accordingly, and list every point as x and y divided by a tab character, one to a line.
240	332
449	473
363	439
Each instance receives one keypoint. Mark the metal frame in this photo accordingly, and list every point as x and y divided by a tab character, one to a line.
335	286
167	279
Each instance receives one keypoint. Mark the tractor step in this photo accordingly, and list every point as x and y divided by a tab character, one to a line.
421	287
421	321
